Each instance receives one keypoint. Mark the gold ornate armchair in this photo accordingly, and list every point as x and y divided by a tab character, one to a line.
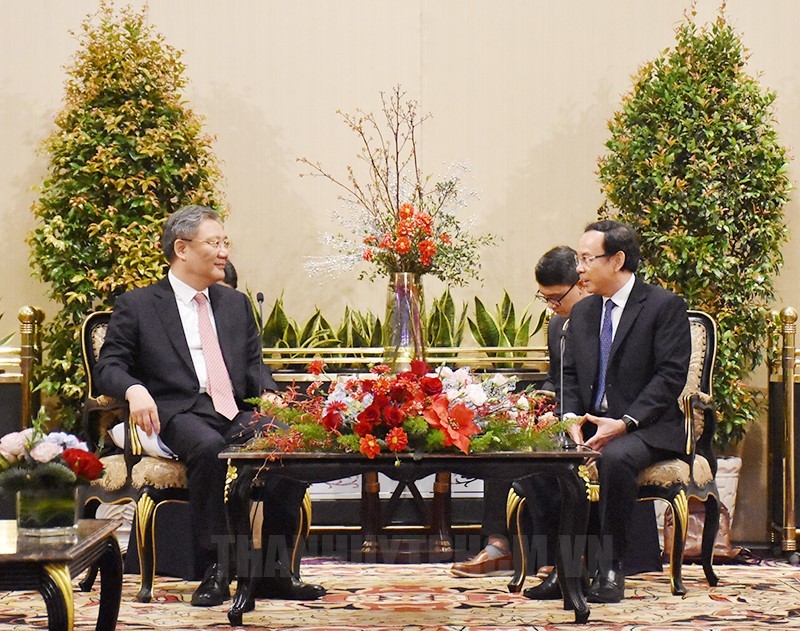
151	480
672	481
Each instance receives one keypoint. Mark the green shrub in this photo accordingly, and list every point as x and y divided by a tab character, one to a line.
694	164
126	152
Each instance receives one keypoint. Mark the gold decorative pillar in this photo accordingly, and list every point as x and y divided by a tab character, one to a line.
30	321
789	329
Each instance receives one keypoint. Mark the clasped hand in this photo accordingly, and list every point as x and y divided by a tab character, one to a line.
607	430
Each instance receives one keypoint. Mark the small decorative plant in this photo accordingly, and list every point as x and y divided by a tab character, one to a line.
418	410
694	164
35	459
445	328
503	328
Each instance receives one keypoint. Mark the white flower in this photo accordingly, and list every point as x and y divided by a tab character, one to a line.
66	441
45	451
462	376
523	404
452	394
7	456
475	394
499	380
445	372
13	444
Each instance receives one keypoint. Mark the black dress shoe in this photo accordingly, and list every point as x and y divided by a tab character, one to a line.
287	588
607	587
548	589
214	589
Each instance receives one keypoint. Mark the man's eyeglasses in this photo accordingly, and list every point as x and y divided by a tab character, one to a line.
587	259
217	244
555	302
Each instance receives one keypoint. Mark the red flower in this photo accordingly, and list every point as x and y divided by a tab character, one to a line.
380	369
457	424
406	211
367	255
385	242
445	238
316	367
84	464
332	421
431	385
420	368
402	245
405	228
370	240
393	416
369	446
396	440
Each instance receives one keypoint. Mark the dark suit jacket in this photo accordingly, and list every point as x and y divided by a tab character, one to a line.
553	380
647	367
145	344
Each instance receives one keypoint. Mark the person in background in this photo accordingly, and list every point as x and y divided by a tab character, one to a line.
186	353
231	278
560	289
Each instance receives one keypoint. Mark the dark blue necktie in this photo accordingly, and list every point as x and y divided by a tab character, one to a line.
606	337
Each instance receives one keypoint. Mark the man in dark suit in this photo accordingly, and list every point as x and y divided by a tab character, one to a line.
560	290
627	356
186	353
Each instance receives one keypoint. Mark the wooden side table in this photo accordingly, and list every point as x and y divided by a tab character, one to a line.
49	565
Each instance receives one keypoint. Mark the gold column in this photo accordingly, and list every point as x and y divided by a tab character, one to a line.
789	538
30	320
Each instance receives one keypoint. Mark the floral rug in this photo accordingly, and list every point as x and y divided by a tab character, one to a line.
393	597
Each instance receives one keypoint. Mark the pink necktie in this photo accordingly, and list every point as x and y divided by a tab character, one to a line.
218	384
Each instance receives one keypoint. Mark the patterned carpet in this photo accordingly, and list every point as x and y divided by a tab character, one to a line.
392	597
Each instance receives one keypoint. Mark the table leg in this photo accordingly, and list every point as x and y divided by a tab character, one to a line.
514	509
440	520
56	589
110	565
371	509
237	508
572	531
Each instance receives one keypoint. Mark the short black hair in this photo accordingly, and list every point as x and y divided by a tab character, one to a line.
557	267
619	237
231	277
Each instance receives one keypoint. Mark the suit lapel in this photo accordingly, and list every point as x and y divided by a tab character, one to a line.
629	314
167	309
592	347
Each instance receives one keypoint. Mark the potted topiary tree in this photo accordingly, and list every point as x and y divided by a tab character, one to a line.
694	163
126	152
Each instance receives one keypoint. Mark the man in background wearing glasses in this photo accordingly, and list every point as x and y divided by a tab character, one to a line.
185	353
560	289
626	362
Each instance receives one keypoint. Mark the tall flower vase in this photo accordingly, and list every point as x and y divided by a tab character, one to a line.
47	512
404	329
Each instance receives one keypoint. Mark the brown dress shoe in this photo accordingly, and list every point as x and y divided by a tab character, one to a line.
482	564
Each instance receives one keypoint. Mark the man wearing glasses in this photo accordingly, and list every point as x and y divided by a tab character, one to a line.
560	289
627	357
185	353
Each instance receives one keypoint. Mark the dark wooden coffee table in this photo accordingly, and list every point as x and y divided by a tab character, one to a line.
246	468
49	565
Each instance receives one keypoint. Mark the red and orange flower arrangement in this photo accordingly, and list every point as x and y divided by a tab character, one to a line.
398	219
415	411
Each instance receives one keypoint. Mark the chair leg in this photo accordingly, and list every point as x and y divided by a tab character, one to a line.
680	515
301	538
710	528
514	507
89	512
144	520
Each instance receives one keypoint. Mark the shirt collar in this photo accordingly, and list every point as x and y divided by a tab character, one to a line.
183	292
621	297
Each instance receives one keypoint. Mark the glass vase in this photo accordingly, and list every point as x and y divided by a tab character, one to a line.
47	512
404	328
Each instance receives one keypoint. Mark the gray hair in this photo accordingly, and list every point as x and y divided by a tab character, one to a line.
183	224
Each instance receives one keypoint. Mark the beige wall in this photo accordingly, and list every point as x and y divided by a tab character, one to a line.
519	89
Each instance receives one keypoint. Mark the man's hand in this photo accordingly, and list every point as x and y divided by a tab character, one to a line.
607	430
575	432
143	409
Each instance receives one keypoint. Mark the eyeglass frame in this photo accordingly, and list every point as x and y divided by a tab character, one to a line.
217	244
587	259
556	302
